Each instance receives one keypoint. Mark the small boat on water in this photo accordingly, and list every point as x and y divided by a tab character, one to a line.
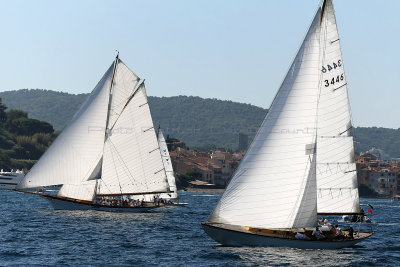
301	162
169	170
9	180
108	157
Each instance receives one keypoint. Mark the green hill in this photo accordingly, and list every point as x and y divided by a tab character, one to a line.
54	107
22	140
201	123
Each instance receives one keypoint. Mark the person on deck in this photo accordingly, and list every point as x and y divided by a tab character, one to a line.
330	226
301	236
339	233
317	234
351	233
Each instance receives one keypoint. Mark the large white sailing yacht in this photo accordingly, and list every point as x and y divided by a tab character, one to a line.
301	161
108	156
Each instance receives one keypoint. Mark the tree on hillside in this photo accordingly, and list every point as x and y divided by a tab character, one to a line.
19	123
2	111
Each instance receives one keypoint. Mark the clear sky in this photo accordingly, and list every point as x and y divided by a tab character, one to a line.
225	49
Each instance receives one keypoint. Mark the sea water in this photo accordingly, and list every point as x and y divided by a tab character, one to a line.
31	233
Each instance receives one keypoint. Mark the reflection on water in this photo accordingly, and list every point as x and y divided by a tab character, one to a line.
294	257
31	232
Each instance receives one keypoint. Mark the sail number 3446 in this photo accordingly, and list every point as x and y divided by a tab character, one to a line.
336	79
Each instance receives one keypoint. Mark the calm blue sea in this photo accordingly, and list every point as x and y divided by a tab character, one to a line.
32	233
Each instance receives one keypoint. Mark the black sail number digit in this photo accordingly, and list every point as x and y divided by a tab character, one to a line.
329	67
333	80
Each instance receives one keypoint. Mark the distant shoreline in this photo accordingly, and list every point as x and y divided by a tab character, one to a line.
204	190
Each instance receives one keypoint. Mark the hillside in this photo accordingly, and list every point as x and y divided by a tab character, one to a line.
22	140
201	123
56	108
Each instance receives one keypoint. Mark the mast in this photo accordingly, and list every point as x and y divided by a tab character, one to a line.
106	132
110	96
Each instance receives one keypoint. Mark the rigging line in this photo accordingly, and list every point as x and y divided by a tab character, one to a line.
124	164
101	180
351	127
115	167
127	102
333	90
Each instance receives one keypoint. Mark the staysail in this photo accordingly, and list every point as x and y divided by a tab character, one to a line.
167	165
275	184
336	169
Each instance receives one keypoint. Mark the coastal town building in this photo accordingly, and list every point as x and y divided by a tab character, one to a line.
376	177
381	177
215	167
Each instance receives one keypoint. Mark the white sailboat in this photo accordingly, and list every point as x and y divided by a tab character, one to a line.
108	156
173	194
301	161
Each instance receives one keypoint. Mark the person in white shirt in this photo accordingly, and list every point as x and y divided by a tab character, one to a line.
330	226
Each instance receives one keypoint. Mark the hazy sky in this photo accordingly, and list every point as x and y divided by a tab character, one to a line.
230	50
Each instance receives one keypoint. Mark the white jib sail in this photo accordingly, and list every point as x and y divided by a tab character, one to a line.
275	184
336	169
168	167
131	160
72	156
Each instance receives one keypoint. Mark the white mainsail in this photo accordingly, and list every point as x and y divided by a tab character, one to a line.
336	169
86	161
275	184
168	167
75	152
131	161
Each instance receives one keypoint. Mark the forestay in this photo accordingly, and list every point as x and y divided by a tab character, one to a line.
336	169
275	184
